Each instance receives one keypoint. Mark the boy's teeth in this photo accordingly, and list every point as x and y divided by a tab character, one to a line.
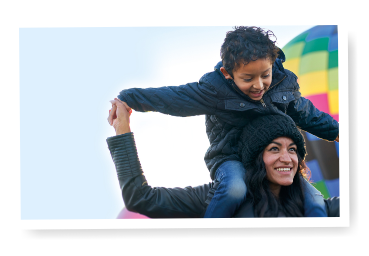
283	169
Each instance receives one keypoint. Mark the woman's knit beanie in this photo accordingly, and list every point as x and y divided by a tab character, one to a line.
261	131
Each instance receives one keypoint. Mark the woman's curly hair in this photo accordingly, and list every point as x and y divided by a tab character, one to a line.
245	44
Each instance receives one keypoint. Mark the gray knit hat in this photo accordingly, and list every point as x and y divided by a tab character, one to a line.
261	131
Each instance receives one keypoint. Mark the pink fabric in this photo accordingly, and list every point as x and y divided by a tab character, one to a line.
125	214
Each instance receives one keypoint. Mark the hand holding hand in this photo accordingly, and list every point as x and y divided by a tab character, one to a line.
119	116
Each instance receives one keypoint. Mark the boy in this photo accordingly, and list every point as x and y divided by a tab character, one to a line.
248	82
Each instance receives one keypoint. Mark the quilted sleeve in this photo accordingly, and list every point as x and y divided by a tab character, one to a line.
154	202
306	115
312	120
185	100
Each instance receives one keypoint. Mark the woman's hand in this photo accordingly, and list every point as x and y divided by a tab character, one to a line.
337	139
119	116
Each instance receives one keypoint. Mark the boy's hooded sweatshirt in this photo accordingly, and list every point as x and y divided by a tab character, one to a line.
227	110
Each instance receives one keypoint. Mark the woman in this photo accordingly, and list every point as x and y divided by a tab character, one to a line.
271	147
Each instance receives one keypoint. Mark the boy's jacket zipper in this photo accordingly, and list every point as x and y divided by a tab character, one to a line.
262	101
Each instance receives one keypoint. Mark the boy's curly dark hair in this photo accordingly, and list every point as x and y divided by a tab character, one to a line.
245	44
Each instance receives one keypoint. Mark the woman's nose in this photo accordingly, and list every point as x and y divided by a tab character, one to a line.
285	157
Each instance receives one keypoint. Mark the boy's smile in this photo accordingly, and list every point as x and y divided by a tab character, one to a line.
252	79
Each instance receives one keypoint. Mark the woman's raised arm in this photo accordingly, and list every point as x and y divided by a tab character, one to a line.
138	196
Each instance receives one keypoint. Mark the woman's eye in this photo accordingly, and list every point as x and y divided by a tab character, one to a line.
293	149
273	149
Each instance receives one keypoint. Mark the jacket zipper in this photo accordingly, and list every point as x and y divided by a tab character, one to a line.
262	101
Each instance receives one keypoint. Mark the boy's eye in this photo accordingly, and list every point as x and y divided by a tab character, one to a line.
250	79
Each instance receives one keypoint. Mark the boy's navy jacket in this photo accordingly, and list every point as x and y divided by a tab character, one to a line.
228	109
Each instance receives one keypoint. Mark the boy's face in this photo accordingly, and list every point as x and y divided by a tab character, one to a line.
252	79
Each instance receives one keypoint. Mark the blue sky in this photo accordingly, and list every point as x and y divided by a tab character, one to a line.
68	76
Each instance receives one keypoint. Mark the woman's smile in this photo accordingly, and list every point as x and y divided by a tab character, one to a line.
285	170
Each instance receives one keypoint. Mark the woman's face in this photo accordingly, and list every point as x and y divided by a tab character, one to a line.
280	159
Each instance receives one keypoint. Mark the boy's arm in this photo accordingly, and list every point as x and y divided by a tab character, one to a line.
312	120
185	100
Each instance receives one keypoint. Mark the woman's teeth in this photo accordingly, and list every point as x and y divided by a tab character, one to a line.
283	169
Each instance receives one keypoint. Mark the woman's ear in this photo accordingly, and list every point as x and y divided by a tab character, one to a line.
225	73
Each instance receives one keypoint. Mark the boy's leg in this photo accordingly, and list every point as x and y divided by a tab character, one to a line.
314	201
231	191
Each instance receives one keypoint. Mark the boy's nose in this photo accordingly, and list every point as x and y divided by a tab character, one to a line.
259	85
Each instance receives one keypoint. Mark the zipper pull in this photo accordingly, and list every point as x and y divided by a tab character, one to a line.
262	102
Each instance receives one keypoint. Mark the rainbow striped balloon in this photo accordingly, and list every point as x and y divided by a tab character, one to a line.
313	57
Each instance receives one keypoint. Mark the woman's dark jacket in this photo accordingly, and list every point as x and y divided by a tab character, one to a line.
160	202
228	110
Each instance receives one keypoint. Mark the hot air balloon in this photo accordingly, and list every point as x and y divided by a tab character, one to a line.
125	214
313	57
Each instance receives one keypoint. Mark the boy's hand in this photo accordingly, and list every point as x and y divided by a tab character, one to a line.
337	139
119	116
